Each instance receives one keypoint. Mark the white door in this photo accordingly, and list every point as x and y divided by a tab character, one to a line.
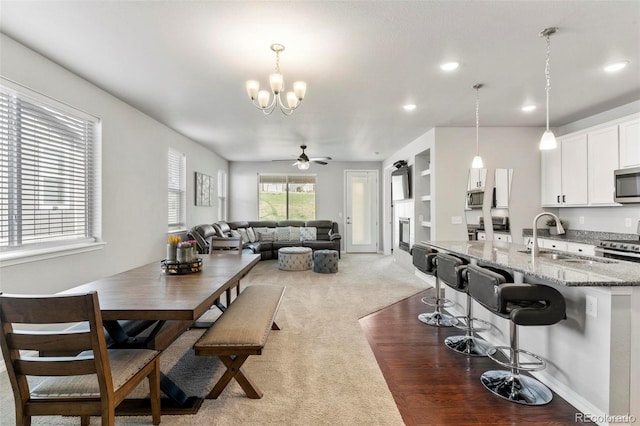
361	224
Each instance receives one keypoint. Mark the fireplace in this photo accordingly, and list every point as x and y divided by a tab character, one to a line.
404	232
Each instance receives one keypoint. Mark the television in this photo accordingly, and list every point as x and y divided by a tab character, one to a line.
401	184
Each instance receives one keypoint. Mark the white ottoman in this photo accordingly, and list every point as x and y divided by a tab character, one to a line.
294	258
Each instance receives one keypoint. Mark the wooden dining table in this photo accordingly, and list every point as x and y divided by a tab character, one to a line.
169	303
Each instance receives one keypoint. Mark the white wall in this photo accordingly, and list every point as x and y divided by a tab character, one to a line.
243	187
500	147
134	178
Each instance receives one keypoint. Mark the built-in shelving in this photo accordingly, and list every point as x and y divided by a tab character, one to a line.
423	193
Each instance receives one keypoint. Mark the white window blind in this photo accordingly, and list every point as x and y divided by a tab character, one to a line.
177	176
47	171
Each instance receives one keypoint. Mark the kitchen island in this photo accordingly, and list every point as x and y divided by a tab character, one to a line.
593	357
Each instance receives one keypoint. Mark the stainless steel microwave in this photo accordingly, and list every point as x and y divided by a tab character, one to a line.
475	198
627	185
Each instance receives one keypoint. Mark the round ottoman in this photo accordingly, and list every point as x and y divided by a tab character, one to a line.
294	258
325	261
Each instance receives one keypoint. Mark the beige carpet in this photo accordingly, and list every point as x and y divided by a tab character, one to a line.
317	370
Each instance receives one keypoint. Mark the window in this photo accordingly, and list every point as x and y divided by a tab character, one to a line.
48	172
177	199
222	195
283	197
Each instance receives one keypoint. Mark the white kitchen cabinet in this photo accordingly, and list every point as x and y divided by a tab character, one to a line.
564	173
503	184
568	246
580	248
574	170
630	143
552	244
477	178
602	149
551	177
502	237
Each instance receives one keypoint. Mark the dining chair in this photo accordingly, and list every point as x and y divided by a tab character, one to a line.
229	243
94	382
232	245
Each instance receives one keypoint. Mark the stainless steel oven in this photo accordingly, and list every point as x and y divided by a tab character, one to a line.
628	250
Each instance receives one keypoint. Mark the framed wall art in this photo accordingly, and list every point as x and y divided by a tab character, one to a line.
204	188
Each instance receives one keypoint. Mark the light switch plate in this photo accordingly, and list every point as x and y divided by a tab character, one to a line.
627	222
592	306
456	220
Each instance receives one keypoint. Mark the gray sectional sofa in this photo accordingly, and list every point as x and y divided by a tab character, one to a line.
266	237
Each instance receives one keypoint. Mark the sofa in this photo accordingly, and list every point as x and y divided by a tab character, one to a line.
265	237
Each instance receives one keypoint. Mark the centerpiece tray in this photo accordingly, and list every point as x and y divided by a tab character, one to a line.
181	268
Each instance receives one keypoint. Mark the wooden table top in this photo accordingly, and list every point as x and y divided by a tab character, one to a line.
148	293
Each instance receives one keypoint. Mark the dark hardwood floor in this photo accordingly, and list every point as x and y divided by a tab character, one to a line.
432	385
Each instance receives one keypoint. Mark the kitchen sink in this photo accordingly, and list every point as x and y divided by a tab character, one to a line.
569	258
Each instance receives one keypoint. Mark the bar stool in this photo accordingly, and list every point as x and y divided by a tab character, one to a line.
452	271
435	318
523	304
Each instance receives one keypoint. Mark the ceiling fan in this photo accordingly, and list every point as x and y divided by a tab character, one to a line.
303	160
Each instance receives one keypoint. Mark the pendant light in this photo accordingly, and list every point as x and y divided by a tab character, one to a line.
477	160
548	140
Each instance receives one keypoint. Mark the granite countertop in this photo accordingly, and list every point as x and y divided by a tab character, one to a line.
584	271
578	236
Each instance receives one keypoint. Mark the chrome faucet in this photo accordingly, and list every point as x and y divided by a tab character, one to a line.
535	249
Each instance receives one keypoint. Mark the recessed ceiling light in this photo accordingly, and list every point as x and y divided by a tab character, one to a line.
449	66
616	67
528	108
409	107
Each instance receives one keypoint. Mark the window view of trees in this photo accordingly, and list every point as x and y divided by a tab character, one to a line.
282	197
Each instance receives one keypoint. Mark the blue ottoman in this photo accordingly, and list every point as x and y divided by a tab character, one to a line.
325	261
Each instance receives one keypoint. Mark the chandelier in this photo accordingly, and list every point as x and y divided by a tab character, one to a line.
262	100
548	140
477	160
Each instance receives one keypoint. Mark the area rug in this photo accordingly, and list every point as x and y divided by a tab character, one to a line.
317	370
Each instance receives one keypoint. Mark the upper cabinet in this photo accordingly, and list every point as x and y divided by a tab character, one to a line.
630	143
503	187
477	178
580	171
564	172
603	159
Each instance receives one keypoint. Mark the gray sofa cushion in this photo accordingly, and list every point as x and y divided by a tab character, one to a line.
324	228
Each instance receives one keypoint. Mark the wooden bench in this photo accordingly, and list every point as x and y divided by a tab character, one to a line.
241	331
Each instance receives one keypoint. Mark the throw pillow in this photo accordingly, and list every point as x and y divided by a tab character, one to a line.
243	234
235	234
258	229
294	232
283	233
308	233
251	235
266	236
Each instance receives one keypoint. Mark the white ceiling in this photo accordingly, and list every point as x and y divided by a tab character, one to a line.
185	63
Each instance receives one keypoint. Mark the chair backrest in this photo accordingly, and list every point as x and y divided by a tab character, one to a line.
233	243
450	270
46	312
483	283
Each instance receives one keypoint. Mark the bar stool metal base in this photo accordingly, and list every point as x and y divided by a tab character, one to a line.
438	319
467	345
516	388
